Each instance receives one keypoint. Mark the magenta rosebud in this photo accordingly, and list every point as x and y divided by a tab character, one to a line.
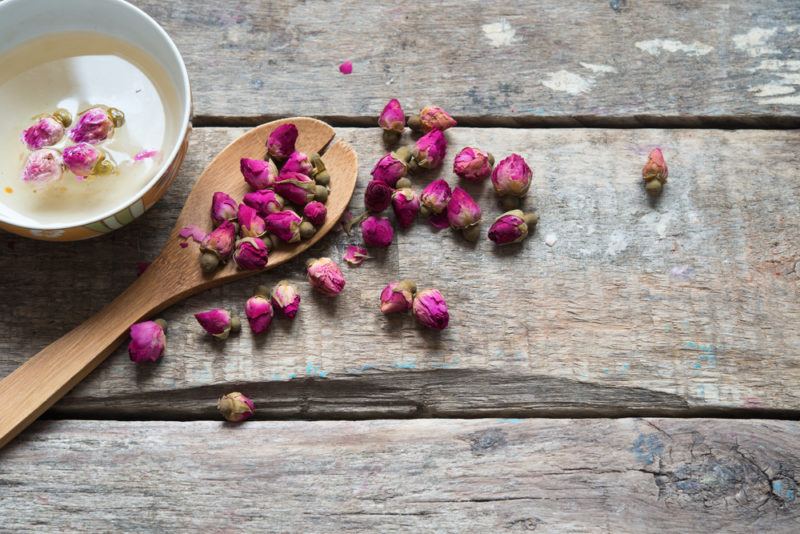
512	227
473	164
389	169
223	208
250	224
280	144
259	174
258	311
405	204
325	276
285	224
355	255
462	210
251	254
219	243
431	118
43	167
218	322
435	196
512	176
286	298
96	124
235	407
295	187
392	117
315	212
84	160
46	131
298	162
265	201
430	149
398	297
655	172
430	309
377	231
377	196
147	341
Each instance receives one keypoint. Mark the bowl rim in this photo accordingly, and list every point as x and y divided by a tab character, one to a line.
184	126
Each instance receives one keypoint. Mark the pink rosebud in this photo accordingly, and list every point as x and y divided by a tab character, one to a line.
377	231
220	241
325	276
43	167
346	67
473	164
398	297
298	162
223	208
315	212
430	309
84	160
295	187
431	118
355	255
512	227
430	149
285	224
235	407
218	322
250	224
251	254
280	144
259	311
147	341
259	174
405	204
462	210
389	169
96	124
265	201
439	220
435	196
655	172
512	176
377	196
47	131
286	298
392	117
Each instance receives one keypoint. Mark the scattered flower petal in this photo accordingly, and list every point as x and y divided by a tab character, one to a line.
355	255
346	67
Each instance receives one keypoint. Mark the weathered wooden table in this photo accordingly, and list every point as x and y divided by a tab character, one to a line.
628	368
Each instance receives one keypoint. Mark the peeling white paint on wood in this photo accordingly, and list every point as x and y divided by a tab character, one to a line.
654	47
568	82
599	69
500	33
755	42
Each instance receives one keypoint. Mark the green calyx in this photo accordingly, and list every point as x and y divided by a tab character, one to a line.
261	291
391	137
63	116
209	262
307	230
403	183
322	178
162	323
490	157
321	193
116	116
653	187
236	323
415	123
472	233
510	203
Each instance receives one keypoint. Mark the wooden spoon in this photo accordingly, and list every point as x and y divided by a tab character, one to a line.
38	383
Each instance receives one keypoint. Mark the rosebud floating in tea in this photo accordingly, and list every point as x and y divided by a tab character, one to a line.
235	407
655	172
430	309
258	174
393	120
217	246
259	311
43	167
286	298
512	227
512	177
281	141
223	208
431	118
251	254
285	224
473	164
47	131
85	159
147	341
96	124
315	212
325	276
398	297
264	202
405	204
430	149
377	232
218	322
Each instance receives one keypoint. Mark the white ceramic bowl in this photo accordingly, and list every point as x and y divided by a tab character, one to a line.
22	20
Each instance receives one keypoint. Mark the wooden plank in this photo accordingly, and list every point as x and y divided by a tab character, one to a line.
541	62
434	475
685	306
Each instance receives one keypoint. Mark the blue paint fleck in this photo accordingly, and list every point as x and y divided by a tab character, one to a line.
367	367
647	448
510	420
292	376
404	365
314	370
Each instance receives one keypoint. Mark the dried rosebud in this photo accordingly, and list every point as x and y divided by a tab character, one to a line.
325	276
398	297
259	311
307	230
223	208
235	407
46	131
251	254
512	227
430	309
218	322
355	255
377	231
473	164
250	224
218	246
315	212
377	196
430	150
462	210
84	160
147	341
265	201
389	169
285	224
280	144
512	176
392	117
436	196
405	204
43	167
296	188
96	124
655	172
286	298
258	173
431	118
298	162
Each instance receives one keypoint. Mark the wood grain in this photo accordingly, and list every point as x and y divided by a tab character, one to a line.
685	306
503	63
623	475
